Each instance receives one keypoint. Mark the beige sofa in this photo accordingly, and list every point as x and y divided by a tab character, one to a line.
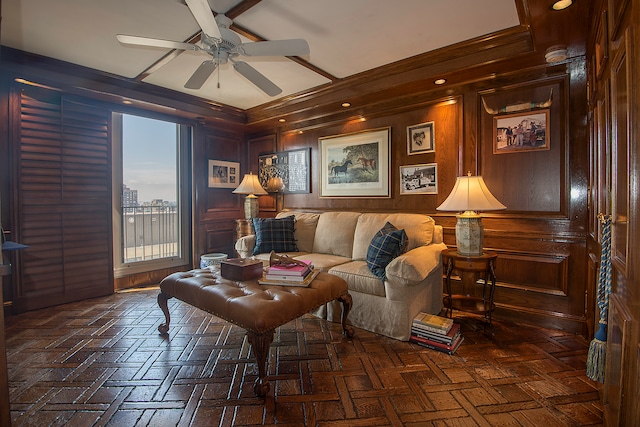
337	242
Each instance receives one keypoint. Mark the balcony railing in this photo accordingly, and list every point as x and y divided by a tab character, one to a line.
150	232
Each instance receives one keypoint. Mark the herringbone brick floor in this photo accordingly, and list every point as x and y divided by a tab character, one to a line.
102	362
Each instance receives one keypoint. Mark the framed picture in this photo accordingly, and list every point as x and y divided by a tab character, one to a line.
420	139
419	179
356	164
292	167
223	174
513	133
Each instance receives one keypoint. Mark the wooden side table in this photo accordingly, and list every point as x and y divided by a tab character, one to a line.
469	267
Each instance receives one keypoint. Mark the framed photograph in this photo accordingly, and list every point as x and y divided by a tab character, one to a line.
514	133
601	52
420	139
355	164
419	179
223	174
292	167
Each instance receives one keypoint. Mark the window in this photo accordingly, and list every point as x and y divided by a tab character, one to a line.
151	226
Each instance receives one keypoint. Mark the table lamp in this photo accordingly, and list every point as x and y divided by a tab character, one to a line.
250	185
470	195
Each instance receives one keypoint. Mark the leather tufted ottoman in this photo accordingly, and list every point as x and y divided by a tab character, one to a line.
259	309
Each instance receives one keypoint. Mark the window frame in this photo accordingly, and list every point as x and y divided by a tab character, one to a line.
184	148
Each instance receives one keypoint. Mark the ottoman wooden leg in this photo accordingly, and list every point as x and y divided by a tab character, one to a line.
347	302
260	344
162	302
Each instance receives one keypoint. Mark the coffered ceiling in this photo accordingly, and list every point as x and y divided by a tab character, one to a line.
346	37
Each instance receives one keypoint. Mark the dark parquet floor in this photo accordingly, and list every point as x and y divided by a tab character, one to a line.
102	362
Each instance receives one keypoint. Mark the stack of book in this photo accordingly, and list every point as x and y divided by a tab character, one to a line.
296	275
435	332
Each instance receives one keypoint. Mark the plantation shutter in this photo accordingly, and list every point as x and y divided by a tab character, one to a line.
63	201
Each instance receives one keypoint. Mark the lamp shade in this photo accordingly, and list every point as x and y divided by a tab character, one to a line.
250	185
470	193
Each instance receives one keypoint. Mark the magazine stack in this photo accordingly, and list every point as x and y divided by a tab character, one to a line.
436	332
289	275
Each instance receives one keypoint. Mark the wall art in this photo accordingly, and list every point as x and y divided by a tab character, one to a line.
292	167
527	131
355	164
420	138
223	174
419	179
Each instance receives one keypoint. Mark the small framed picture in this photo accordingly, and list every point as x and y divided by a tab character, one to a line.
420	139
419	179
223	174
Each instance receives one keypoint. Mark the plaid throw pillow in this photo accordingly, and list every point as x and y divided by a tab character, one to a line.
387	244
275	235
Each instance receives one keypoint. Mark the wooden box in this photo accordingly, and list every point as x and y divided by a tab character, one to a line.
241	269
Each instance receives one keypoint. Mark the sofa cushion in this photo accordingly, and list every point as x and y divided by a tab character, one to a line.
387	244
306	224
359	278
324	262
334	234
274	234
419	229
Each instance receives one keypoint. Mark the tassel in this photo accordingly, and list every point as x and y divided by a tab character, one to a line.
596	357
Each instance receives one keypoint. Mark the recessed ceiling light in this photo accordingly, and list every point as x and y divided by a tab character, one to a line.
346	104
561	4
126	101
440	81
282	120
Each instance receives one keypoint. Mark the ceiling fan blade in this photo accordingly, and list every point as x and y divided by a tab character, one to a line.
147	41
203	14
201	75
255	77
291	47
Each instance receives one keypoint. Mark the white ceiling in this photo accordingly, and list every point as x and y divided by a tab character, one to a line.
346	37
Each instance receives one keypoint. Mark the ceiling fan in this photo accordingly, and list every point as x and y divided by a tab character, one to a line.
224	46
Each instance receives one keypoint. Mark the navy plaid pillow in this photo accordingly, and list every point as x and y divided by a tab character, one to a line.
387	244
275	235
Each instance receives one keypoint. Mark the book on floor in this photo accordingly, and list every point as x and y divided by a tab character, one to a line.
434	345
438	323
447	338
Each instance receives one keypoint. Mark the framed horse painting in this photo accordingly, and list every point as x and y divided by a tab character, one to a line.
355	164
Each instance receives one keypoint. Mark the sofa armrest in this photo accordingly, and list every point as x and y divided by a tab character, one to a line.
414	266
244	245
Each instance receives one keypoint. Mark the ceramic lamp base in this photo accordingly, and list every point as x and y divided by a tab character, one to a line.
251	206
469	234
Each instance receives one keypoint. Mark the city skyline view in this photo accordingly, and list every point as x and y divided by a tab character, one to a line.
149	157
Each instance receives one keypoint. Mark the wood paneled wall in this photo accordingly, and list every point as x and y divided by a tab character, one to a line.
614	105
540	238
